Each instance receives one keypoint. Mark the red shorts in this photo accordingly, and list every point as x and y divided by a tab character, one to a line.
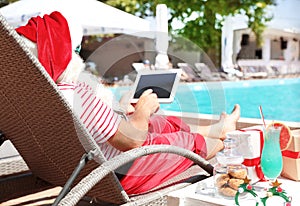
150	171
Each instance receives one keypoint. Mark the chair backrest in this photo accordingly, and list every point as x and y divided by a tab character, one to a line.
206	73
203	68
36	118
188	70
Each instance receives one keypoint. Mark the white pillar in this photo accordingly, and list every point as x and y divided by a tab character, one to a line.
266	50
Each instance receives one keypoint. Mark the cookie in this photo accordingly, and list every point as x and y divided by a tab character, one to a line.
235	183
227	191
238	173
222	180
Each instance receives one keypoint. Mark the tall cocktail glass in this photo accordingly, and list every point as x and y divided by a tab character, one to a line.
271	158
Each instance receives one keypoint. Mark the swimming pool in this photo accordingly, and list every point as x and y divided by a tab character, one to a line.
279	98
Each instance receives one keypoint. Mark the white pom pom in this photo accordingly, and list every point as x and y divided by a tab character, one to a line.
241	190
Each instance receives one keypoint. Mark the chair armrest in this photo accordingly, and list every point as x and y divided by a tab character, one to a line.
104	169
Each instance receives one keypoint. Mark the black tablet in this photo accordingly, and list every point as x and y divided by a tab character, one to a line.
163	82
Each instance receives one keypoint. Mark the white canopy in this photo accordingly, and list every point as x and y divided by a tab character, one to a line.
286	16
95	17
285	20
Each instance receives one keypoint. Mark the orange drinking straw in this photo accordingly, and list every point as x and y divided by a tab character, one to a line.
262	116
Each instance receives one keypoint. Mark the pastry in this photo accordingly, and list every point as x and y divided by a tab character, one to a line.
222	180
238	173
227	191
235	183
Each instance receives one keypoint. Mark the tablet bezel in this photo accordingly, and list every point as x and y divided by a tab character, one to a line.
157	72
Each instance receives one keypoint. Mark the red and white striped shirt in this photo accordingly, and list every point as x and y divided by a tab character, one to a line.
100	120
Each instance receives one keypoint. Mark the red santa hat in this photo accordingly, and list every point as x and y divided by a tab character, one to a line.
52	37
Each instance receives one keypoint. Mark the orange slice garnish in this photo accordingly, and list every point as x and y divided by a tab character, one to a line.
285	135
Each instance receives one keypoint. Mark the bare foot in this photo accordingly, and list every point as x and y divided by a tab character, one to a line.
226	123
229	121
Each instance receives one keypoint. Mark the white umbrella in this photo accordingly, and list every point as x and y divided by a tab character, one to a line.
95	17
162	41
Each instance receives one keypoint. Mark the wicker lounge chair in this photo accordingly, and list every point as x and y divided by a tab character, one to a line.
52	141
191	75
205	72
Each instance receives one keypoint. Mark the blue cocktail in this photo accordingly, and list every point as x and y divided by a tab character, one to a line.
271	158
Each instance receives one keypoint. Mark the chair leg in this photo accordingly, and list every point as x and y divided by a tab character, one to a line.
2	138
83	161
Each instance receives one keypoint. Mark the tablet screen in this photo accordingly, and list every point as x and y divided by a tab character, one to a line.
164	84
161	84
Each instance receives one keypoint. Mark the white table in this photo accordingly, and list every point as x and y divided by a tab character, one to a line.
193	195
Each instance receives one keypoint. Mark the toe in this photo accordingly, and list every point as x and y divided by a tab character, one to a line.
236	110
223	115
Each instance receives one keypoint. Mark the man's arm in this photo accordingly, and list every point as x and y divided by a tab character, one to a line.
133	133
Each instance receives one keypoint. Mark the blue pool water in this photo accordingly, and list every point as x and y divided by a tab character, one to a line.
279	98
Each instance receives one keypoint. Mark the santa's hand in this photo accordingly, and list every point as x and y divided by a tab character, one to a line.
125	103
148	103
